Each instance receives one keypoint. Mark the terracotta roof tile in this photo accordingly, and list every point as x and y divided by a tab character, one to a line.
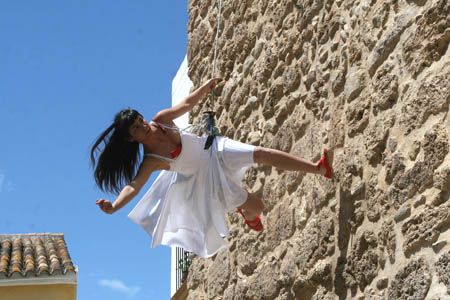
34	255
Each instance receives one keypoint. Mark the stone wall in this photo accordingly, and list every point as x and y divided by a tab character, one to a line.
370	79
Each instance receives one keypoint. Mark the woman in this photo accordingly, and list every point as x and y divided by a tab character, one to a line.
187	202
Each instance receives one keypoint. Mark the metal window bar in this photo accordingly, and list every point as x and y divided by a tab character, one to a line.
183	259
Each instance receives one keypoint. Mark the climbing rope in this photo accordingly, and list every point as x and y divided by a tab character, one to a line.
216	40
208	120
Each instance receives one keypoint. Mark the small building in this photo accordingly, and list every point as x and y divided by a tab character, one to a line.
180	259
36	266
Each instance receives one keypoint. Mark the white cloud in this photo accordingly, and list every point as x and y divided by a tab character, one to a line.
5	185
118	285
2	180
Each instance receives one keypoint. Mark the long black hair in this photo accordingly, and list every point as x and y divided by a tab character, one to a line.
118	160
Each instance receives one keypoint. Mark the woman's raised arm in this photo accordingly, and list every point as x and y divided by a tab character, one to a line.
168	115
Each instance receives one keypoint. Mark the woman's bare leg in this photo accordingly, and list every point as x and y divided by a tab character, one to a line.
252	207
281	160
286	161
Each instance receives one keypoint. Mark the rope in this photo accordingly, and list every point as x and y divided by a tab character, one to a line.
208	123
313	139
216	41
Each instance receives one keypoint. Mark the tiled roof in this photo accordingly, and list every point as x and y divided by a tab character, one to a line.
34	255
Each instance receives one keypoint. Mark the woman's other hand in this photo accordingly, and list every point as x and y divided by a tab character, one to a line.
106	206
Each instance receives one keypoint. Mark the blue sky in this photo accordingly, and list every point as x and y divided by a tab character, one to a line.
66	67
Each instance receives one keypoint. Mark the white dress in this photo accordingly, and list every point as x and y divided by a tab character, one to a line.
186	205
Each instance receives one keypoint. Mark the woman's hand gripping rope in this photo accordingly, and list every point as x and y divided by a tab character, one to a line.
212	83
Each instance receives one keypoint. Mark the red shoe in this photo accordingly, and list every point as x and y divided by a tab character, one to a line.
325	162
255	224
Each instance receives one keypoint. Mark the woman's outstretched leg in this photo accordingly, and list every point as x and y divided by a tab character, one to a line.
289	162
284	161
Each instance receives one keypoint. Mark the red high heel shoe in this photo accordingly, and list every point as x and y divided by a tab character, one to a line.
325	162
255	224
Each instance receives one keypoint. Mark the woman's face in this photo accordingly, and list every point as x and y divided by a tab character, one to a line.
139	130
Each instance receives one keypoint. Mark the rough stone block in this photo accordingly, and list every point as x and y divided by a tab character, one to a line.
382	283
430	98
441	179
316	241
420	200
416	179
424	229
363	262
265	284
357	116
387	238
394	166
443	270
402	213
354	84
435	145
280	224
429	42
386	86
376	137
388	42
218	275
338	80
411	282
